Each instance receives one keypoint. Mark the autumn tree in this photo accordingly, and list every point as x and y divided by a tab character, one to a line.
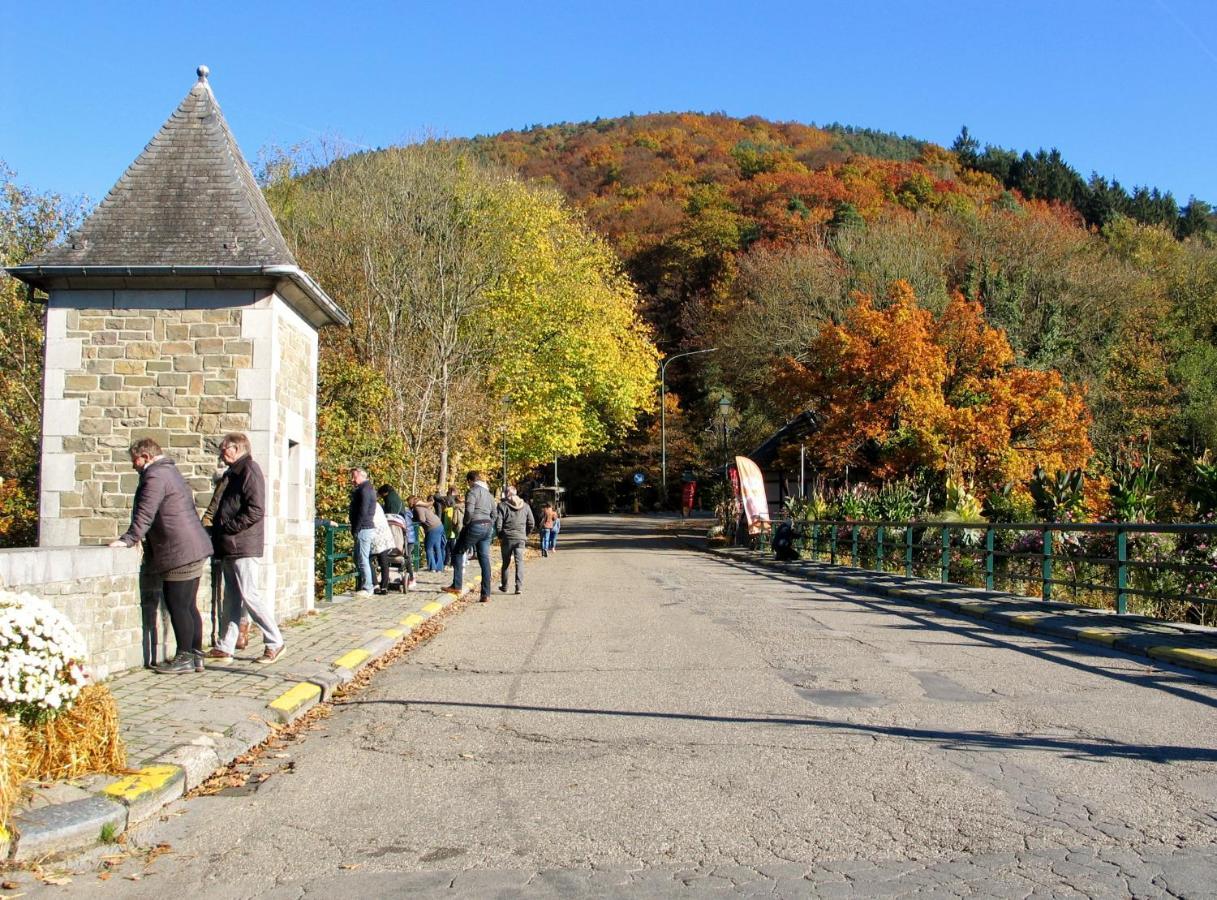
489	310
29	221
898	390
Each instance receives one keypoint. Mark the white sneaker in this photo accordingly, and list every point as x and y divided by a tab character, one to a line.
411	584
362	593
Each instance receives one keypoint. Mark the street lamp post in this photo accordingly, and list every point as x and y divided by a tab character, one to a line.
724	410
663	419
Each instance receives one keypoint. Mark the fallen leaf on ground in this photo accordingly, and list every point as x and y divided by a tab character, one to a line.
466	756
9	885
350	865
56	879
103	876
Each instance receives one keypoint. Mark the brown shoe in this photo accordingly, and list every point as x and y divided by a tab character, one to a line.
215	653
242	636
269	656
454	590
485	598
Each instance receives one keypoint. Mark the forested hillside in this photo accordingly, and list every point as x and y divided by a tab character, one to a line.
751	235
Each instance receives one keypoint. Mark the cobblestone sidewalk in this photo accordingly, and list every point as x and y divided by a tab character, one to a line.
180	728
160	712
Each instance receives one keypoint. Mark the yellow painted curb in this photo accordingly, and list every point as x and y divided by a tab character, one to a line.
976	609
1028	618
393	633
1102	635
1206	659
413	620
4	835
293	698
352	659
432	608
145	781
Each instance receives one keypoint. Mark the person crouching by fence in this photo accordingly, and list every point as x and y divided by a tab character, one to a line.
424	515
176	548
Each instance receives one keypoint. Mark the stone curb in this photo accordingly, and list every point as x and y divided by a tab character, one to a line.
77	825
1184	646
64	827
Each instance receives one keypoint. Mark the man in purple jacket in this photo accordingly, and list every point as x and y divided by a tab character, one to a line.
164	517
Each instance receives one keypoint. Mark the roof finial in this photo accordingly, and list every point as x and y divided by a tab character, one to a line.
203	72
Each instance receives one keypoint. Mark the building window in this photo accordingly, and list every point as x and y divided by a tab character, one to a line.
295	481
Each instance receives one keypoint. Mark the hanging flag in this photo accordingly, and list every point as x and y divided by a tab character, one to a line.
752	495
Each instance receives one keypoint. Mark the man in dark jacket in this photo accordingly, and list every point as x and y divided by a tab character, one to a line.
239	533
513	520
176	547
362	515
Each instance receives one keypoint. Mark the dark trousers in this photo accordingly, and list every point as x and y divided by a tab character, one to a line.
382	563
180	597
473	537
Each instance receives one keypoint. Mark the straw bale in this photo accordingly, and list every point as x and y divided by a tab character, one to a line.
83	740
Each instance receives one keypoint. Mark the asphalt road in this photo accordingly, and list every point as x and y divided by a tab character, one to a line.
648	720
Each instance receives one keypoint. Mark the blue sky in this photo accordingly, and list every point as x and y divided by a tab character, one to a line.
1120	87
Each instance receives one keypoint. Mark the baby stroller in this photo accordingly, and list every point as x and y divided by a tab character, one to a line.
400	570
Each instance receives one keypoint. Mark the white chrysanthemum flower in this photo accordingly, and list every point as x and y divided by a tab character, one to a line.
41	658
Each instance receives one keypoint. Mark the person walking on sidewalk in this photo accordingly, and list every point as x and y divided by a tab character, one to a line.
362	516
513	521
424	515
475	535
239	535
176	547
549	524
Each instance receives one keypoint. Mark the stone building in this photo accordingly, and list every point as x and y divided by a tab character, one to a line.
178	312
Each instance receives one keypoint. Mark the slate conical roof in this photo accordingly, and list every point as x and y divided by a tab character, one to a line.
190	199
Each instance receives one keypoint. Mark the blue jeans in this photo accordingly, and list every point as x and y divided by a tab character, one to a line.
363	557
476	537
435	548
547	539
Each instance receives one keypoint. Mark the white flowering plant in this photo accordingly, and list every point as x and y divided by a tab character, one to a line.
41	659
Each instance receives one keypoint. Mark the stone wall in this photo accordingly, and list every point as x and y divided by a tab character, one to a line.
295	409
97	588
128	364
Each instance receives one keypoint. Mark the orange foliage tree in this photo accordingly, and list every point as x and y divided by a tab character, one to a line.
897	390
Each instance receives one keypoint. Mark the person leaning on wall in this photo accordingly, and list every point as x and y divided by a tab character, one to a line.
176	547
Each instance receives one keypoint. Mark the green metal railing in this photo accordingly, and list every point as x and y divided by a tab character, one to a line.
334	534
1111	563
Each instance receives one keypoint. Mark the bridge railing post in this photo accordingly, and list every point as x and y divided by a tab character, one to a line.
945	560
1046	565
989	558
1121	571
879	548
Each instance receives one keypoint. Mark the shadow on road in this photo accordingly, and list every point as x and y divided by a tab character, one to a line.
1171	681
951	740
